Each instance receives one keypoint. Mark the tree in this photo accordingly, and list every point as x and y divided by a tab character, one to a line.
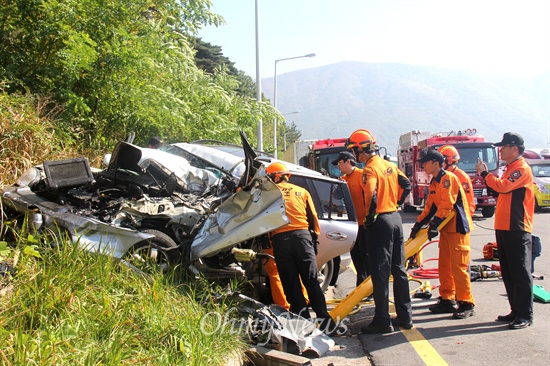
210	58
290	134
123	65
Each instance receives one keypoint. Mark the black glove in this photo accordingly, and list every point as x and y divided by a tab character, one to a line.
415	229
314	235
369	220
315	241
432	230
316	247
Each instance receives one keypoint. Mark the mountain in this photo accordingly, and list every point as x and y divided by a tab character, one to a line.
390	99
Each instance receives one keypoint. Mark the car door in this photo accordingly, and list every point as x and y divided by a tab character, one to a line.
336	214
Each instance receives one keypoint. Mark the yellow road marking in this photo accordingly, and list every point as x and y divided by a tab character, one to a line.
423	348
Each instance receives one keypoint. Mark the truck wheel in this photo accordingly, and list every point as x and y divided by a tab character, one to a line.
325	274
488	211
409	208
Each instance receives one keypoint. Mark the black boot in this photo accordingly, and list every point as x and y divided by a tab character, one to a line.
465	310
444	306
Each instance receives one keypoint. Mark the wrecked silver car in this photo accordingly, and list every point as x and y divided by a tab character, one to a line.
176	208
331	198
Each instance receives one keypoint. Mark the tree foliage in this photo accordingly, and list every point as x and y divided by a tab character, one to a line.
210	58
291	133
124	65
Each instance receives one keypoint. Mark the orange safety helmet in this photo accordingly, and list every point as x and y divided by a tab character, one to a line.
363	139
450	153
277	169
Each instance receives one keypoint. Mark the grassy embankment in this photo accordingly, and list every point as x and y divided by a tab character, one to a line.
64	306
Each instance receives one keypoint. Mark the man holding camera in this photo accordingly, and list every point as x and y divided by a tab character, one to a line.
513	226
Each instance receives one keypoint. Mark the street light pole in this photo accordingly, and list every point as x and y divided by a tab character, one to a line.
275	97
258	79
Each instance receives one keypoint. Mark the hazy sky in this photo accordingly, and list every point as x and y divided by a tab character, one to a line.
496	37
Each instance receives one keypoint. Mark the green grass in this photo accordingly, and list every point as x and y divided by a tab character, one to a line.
66	306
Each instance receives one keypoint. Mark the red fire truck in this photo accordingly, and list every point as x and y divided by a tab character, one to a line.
470	146
323	152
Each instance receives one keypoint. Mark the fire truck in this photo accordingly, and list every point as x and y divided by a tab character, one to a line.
470	146
323	152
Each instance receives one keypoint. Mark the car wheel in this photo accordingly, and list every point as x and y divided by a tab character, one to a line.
325	274
488	211
154	251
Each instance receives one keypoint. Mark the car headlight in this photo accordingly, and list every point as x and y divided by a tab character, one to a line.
31	177
542	188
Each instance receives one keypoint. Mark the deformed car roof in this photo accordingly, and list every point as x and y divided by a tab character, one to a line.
230	158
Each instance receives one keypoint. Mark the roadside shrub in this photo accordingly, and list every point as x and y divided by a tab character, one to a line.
28	136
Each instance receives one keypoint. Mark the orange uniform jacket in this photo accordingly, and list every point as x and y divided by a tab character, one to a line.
516	199
445	195
355	185
466	182
299	209
383	184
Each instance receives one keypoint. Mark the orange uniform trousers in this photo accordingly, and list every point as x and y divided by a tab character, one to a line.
454	258
277	292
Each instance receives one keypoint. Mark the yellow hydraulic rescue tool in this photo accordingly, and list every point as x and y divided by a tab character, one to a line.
412	246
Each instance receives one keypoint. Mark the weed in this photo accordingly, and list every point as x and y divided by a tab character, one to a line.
69	306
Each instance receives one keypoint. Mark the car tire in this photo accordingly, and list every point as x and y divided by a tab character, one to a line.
152	249
537	206
488	211
325	274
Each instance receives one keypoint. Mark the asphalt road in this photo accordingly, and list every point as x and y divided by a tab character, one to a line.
437	339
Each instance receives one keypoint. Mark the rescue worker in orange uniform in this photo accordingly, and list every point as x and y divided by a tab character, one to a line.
353	176
451	155
293	247
277	292
513	228
446	195
384	233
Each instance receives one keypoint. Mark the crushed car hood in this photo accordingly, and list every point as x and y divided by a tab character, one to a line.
253	211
